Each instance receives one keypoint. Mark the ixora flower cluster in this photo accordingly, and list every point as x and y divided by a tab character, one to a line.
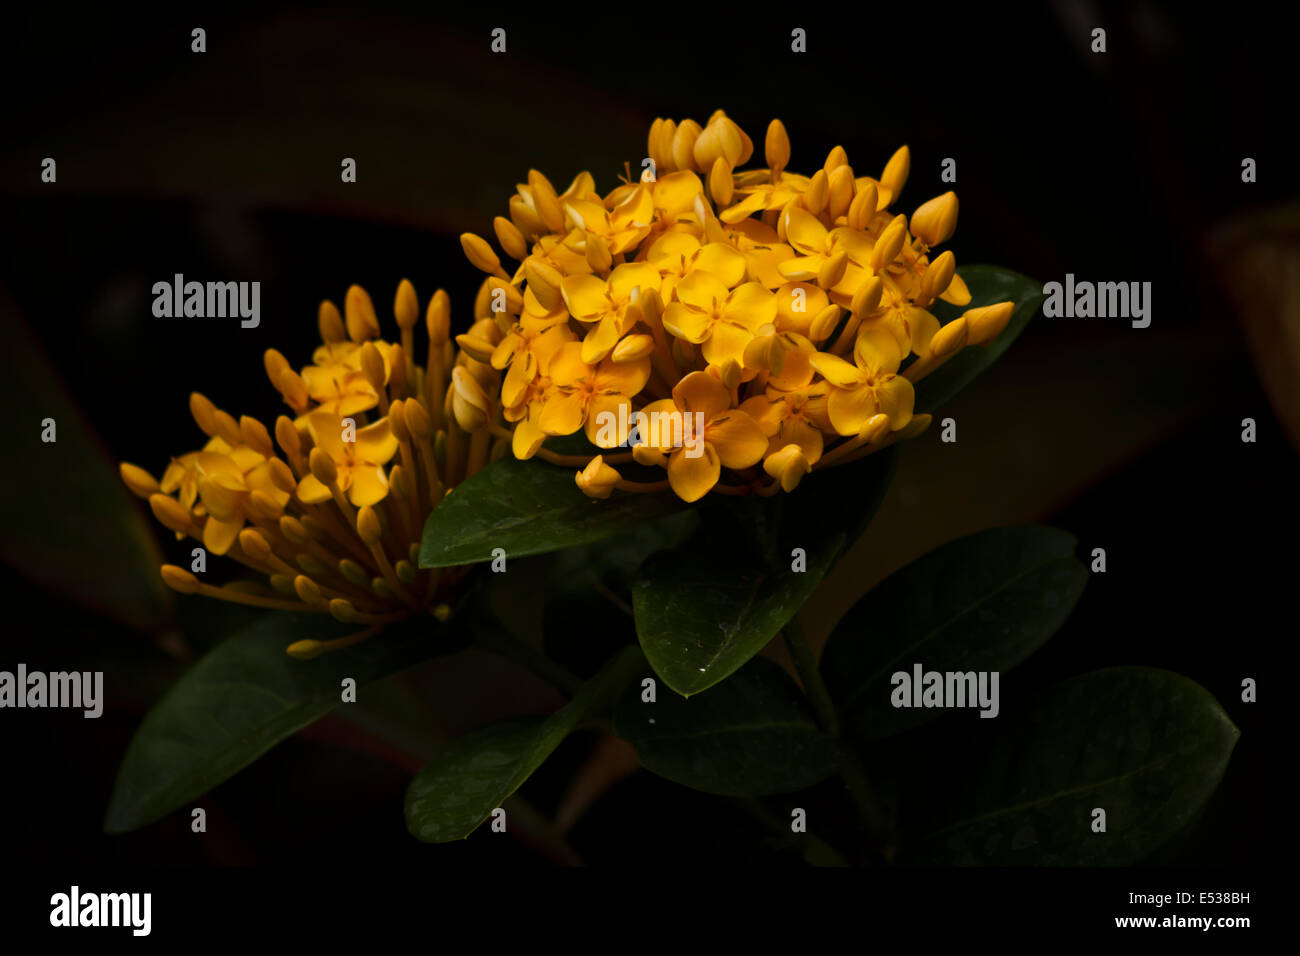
736	329
332	510
762	323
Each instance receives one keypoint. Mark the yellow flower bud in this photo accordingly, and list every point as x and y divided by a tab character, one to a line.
170	513
839	191
204	413
889	244
950	338
787	466
987	322
814	199
329	323
437	318
935	221
373	366
721	185
406	305
895	174
823	324
598	479
369	526
417	420
254	434
343	610
867	299
359	313
599	258
546	201
178	579
476	348
544	281
141	483
938	276
776	147
511	239
863	206
832	270
633	347
287	437
875	428
322	467
683	147
836	158
479	253
649	456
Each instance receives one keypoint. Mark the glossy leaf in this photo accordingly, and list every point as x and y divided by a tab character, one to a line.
752	735
73	527
245	696
474	775
987	284
1147	746
984	602
705	609
528	507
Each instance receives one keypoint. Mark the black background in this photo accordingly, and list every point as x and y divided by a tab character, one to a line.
225	165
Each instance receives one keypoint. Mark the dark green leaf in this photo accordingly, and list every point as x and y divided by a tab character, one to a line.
981	603
245	696
528	507
752	736
705	609
475	774
987	284
73	526
1147	746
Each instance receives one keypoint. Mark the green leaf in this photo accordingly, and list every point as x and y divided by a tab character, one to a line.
752	736
987	284
475	774
1147	746
984	602
528	507
73	527
245	696
705	609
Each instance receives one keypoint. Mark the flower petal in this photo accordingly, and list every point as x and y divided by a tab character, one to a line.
701	392
849	409
376	443
585	296
835	370
692	477
369	485
737	438
563	413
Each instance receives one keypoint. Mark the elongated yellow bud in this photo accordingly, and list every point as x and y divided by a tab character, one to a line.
510	238
359	315
369	526
437	318
987	322
329	323
478	252
935	221
776	146
406	305
141	483
322	467
178	579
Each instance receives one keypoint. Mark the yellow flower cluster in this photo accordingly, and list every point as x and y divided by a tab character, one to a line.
332	509
772	323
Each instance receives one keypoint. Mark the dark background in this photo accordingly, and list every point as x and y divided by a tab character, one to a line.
1116	167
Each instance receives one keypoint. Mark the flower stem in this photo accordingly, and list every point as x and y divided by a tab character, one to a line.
850	767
